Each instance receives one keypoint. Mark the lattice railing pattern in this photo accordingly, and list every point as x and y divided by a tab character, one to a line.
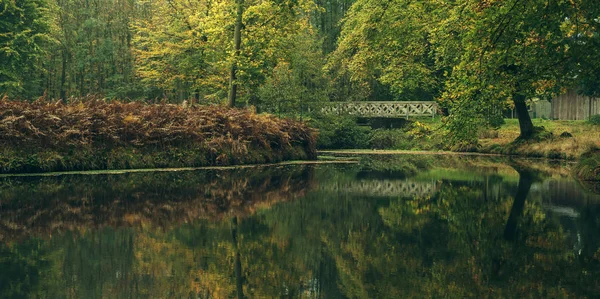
400	188
381	109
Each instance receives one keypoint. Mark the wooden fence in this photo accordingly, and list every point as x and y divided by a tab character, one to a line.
572	106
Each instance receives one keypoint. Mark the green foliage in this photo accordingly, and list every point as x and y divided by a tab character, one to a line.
389	139
415	135
184	48
343	132
340	132
281	92
474	57
297	83
588	167
499	60
383	53
24	36
594	119
23	267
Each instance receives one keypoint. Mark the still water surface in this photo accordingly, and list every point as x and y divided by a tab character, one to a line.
387	227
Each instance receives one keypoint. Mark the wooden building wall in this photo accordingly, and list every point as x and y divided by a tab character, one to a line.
572	106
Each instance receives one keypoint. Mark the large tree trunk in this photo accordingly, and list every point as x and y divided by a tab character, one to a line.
237	39
525	124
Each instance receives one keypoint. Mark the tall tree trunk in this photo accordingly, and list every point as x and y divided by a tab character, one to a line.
63	77
525	124
237	39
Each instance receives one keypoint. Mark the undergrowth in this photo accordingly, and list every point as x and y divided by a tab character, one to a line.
343	132
588	167
97	134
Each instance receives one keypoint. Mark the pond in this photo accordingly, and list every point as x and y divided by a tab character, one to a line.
384	227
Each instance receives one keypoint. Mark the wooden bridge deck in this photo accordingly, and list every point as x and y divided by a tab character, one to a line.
382	109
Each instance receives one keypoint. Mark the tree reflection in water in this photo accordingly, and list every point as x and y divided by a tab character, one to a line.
485	230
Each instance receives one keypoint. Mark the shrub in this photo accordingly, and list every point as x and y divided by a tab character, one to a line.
594	119
556	154
588	167
389	139
420	130
487	133
340	132
198	135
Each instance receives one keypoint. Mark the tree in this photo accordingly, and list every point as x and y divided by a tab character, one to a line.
93	52
237	41
475	57
177	44
385	50
512	50
24	28
192	49
296	80
328	21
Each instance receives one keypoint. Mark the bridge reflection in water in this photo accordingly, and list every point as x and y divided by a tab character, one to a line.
403	188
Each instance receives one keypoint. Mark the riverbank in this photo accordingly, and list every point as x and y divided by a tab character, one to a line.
577	141
99	135
569	140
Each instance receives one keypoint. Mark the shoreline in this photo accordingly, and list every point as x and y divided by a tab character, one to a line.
174	169
442	153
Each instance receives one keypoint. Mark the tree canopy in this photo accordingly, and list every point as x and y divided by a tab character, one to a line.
476	58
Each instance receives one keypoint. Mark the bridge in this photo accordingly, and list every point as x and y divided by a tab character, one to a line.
387	188
382	109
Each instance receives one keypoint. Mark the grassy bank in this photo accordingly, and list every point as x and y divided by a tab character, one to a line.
568	139
582	137
588	166
97	135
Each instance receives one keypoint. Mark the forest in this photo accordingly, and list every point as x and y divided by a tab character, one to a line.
174	50
293	51
476	59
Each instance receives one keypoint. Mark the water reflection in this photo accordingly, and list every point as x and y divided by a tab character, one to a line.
40	206
397	228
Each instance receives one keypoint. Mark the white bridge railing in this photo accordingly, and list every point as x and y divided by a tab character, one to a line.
382	109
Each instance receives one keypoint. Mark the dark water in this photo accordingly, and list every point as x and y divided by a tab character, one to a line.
390	227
